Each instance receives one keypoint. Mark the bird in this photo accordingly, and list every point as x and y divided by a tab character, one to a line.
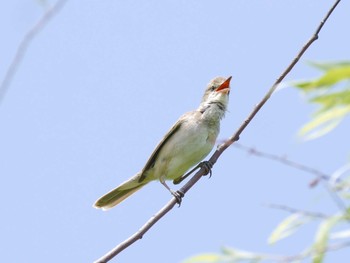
186	144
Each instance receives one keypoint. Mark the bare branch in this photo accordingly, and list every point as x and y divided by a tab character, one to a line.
298	211
139	234
319	175
310	252
22	47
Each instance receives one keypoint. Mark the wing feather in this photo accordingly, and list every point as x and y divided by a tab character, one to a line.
152	159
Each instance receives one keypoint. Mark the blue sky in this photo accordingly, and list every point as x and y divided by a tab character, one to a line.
105	80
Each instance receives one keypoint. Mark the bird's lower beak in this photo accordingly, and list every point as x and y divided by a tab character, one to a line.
224	87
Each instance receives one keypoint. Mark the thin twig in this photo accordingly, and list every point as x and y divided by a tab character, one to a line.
139	234
313	251
336	198
298	211
319	175
285	258
23	45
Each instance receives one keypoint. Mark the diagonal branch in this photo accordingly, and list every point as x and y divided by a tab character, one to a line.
221	148
24	44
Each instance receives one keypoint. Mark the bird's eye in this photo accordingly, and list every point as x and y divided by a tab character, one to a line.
212	88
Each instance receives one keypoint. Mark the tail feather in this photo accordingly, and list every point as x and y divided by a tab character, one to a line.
119	194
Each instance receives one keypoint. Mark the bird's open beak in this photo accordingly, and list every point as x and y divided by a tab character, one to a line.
224	87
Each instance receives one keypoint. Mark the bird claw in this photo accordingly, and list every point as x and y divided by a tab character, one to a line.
178	195
207	165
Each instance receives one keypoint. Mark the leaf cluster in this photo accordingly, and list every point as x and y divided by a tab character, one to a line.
325	240
331	92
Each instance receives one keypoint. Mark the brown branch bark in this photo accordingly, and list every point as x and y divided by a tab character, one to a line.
139	234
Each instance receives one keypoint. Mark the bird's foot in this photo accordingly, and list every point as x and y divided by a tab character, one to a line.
178	195
207	165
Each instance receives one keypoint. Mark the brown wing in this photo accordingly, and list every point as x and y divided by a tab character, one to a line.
152	159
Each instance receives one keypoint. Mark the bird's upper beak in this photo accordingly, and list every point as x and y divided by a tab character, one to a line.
224	87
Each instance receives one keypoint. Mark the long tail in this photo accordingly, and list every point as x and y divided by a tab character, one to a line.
120	193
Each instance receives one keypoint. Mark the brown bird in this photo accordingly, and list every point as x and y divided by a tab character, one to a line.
187	143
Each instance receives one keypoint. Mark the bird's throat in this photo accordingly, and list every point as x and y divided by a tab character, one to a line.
212	111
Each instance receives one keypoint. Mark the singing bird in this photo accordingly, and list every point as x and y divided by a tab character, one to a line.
187	143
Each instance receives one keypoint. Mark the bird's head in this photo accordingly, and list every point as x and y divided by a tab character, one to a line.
217	91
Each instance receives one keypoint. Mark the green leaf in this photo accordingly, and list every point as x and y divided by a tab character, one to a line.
237	254
322	237
332	92
324	122
287	227
332	100
229	255
334	75
204	258
331	77
345	195
347	214
340	234
328	65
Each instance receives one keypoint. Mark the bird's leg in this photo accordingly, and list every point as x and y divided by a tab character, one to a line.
207	165
177	194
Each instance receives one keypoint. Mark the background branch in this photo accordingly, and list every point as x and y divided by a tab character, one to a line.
139	234
319	175
299	211
248	256
23	45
